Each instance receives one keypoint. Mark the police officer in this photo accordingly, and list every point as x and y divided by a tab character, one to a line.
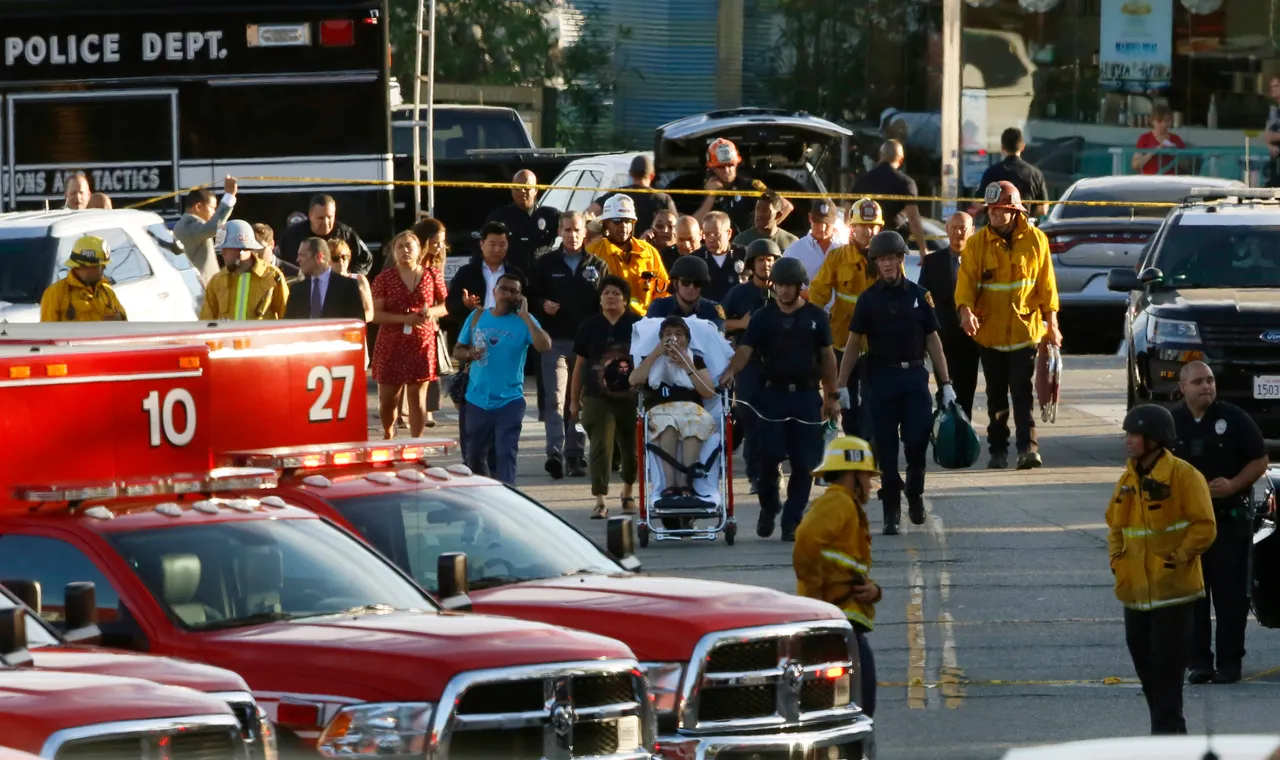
533	227
742	302
896	317
726	262
689	276
83	295
1160	520
1222	442
832	555
792	337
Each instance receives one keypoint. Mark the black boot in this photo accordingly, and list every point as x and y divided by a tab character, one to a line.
915	509
892	514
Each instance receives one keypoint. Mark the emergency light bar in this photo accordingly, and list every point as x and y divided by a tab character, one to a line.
223	478
1207	194
343	454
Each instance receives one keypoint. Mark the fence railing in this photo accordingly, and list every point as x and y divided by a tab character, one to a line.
1247	164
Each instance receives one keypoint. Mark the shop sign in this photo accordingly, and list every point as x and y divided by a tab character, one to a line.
1136	51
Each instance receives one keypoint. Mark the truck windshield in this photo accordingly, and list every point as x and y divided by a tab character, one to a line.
1220	256
507	537
26	268
226	575
37	634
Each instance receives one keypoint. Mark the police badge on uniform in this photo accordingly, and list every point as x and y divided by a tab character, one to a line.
592	274
542	224
738	266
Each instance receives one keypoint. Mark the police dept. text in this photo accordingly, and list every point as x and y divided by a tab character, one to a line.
71	49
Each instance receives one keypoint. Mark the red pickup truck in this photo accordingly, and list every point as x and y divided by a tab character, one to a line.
344	652
61	716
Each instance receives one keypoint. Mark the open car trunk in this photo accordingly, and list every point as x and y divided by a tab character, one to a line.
787	150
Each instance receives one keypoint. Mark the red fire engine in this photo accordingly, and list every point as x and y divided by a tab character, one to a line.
344	652
711	650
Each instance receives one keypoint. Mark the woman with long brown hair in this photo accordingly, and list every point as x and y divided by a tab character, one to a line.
407	301
431	236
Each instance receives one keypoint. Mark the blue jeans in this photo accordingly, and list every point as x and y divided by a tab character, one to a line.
903	410
497	431
492	460
798	441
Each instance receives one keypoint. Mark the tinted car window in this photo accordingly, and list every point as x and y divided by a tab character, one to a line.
1140	194
26	268
127	263
55	563
1220	257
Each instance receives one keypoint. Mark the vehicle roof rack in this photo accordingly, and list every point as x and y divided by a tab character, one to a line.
1199	195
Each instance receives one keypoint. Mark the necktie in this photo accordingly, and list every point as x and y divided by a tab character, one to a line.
316	299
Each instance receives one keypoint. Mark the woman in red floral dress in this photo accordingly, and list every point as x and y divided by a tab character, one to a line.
407	300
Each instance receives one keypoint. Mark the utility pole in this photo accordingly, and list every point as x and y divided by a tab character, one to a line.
952	68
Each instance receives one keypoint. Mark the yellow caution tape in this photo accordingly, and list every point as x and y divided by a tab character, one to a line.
642	190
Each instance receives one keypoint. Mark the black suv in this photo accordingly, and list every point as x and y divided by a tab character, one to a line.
1207	287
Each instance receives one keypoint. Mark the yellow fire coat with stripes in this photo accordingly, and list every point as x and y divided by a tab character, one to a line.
833	552
1009	286
1159	525
844	274
260	293
69	300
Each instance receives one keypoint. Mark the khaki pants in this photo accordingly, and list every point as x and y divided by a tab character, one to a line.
609	421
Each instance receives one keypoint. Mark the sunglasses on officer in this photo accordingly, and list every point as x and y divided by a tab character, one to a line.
688	283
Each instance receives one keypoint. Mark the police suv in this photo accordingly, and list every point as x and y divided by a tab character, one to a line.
1207	287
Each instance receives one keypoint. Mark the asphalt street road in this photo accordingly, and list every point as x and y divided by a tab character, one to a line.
998	626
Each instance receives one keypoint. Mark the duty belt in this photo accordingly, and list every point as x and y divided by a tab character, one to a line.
786	385
904	365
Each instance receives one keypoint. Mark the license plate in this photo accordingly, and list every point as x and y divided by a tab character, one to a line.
843	692
628	733
1266	387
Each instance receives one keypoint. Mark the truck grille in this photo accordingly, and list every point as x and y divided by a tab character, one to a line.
771	677
214	737
559	712
1240	343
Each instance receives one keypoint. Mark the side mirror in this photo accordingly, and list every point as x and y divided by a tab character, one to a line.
451	577
1123	280
621	541
27	591
81	611
1151	275
13	637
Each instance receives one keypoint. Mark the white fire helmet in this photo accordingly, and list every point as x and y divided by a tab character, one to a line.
619	206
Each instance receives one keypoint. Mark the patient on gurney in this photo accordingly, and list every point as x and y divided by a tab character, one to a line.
678	423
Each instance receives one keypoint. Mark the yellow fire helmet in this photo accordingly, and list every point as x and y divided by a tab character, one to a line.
866	211
848	453
90	251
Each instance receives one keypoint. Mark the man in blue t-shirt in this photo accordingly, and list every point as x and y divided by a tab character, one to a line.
494	341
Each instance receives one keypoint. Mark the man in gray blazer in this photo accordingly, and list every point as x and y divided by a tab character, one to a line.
198	227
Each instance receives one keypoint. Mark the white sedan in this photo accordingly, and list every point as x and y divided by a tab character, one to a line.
153	279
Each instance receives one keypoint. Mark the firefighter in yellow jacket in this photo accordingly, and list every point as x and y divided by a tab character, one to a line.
627	256
83	295
1160	521
1007	301
246	287
832	555
844	274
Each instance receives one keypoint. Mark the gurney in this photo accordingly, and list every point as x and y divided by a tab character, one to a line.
673	518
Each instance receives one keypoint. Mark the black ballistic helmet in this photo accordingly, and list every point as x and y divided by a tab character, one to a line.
760	248
691	268
1153	422
789	272
888	243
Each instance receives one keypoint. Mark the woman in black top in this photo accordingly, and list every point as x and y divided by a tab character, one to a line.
600	392
677	421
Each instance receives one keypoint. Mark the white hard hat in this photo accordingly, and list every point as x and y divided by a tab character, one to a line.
619	206
239	234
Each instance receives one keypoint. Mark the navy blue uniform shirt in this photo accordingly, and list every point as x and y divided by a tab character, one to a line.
709	310
790	346
742	300
895	319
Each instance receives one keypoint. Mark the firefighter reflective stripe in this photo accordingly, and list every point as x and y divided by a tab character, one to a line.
1161	603
844	560
846	297
1014	346
1140	532
857	617
1010	286
242	296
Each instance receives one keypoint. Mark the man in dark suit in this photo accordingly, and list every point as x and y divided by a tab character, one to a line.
938	276
324	294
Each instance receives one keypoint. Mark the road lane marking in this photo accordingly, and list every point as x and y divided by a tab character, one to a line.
916	690
1030	528
950	674
1108	681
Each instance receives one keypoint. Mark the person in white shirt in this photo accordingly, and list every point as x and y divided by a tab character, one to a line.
824	236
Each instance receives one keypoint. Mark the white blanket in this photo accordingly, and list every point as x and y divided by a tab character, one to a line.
708	342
